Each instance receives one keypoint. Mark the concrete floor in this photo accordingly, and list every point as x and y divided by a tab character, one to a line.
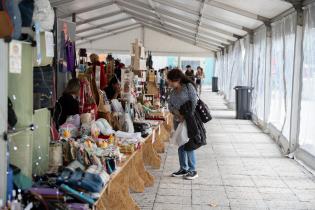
240	168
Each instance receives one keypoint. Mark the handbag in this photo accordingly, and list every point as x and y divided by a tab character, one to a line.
203	110
12	9
12	119
6	24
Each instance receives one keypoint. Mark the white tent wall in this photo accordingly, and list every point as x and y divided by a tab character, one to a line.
281	78
279	66
307	111
233	68
158	43
258	76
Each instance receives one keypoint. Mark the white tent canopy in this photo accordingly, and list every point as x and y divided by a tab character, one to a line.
209	25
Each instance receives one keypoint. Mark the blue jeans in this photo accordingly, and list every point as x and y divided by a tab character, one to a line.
187	159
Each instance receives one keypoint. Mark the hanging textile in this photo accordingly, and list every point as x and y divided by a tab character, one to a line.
281	75
307	114
259	71
246	56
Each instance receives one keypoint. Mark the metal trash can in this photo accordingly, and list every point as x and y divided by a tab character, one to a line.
215	84
242	101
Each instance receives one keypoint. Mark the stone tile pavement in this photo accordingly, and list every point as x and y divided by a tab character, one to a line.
241	168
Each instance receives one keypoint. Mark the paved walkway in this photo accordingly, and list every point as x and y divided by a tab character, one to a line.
240	168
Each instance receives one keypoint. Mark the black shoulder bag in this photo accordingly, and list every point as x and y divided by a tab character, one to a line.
203	110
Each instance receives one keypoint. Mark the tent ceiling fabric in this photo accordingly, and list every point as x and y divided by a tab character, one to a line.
213	24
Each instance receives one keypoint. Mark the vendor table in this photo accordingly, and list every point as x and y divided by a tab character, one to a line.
132	174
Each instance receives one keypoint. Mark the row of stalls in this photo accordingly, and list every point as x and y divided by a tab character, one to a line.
97	156
277	61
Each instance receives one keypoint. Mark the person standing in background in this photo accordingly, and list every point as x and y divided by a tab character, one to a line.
199	77
190	73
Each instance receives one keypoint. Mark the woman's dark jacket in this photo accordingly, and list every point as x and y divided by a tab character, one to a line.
196	132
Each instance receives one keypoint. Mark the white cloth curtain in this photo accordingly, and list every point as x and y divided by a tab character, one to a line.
219	69
246	60
232	68
281	78
235	73
225	72
259	70
307	114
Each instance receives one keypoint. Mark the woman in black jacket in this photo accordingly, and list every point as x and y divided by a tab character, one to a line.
182	104
68	103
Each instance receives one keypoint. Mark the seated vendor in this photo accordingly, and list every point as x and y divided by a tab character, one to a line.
113	89
68	103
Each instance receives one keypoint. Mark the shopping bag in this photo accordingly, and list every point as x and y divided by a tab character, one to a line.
180	136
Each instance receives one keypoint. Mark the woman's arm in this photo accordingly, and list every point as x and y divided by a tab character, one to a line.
192	94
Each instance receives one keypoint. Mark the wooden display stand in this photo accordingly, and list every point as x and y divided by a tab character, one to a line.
159	144
163	134
131	176
138	60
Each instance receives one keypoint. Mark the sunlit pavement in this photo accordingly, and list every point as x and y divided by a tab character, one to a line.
240	168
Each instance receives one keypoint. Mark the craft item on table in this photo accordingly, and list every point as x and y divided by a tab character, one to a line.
111	151
142	127
110	165
78	195
151	122
128	146
86	118
78	206
87	101
74	120
155	117
75	177
85	129
151	75
128	125
89	144
126	84
95	130
68	130
55	157
68	171
157	104
104	107
117	120
101	143
94	179
116	106
147	108
111	139
95	160
104	126
125	135
139	112
48	193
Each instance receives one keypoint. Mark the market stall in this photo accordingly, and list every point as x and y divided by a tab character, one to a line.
81	131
